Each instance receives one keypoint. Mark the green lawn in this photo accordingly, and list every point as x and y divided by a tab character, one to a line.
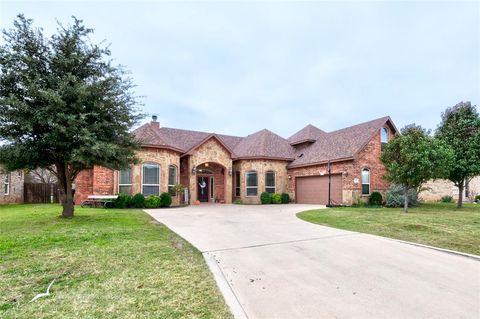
435	224
107	264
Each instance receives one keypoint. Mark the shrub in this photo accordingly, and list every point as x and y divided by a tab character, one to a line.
138	201
238	201
152	201
122	201
165	200
375	199
266	198
447	199
285	198
477	198
395	197
276	198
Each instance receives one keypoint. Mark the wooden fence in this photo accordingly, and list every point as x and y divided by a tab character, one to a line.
40	193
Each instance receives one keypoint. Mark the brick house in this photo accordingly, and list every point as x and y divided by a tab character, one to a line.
434	190
11	188
222	168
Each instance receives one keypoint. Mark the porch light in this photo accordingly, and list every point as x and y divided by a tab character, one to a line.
289	176
206	164
229	171
194	170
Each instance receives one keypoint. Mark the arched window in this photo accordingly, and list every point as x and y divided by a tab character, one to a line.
365	181
151	179
6	184
270	182
384	135
125	181
251	183
172	179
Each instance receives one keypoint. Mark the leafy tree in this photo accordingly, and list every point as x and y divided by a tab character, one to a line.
413	157
63	106
460	128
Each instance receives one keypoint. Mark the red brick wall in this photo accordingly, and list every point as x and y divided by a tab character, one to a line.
96	181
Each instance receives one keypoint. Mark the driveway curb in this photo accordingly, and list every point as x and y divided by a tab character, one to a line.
222	283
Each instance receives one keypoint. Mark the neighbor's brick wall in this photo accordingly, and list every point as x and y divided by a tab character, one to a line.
261	166
436	189
16	187
210	152
368	157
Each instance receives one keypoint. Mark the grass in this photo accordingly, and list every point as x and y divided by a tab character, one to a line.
436	224
106	264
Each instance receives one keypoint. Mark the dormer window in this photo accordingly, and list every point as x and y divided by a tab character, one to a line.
383	136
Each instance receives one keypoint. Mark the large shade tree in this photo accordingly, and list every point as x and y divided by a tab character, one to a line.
414	157
63	105
460	128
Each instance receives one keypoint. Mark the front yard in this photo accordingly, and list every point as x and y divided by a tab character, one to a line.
106	264
436	224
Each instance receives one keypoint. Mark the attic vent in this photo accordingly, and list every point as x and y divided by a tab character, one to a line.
300	155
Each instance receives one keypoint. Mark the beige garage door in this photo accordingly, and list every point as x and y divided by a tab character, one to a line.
314	190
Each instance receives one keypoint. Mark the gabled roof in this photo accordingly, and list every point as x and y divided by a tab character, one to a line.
309	133
340	144
264	144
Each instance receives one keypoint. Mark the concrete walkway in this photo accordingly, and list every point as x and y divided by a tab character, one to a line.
278	266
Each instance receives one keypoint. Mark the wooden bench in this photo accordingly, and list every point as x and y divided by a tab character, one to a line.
105	201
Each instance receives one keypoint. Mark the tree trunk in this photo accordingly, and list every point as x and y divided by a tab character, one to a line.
460	194
405	201
65	184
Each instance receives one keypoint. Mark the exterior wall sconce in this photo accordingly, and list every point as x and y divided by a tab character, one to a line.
194	171
289	176
345	173
229	171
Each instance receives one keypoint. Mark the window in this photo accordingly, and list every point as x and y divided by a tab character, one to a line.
252	183
270	182
6	189
365	181
151	179
125	181
384	136
172	179
211	188
237	183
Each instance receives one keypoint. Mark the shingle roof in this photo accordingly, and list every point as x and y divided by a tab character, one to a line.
340	144
264	144
309	133
336	145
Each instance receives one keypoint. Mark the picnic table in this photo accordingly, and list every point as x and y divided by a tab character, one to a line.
99	201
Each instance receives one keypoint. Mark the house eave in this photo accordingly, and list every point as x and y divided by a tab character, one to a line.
344	159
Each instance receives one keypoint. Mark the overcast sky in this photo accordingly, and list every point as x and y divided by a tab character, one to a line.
236	68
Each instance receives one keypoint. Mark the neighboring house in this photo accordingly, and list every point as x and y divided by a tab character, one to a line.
11	187
223	168
436	189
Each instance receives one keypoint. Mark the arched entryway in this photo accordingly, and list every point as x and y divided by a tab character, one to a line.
210	182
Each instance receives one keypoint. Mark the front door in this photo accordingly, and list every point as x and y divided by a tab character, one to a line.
202	189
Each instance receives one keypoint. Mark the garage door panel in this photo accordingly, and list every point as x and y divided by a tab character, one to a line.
314	189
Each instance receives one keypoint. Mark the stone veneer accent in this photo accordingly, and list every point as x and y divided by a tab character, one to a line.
436	189
261	166
16	187
211	151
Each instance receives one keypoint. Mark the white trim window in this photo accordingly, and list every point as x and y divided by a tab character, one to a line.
125	181
237	184
365	181
251	184
6	184
150	179
172	179
270	182
383	136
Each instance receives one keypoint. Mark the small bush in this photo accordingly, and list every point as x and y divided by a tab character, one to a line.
285	198
276	198
447	199
238	201
165	200
395	197
375	199
138	201
122	201
266	198
477	198
152	201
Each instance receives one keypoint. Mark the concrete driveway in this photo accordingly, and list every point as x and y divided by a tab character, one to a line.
274	265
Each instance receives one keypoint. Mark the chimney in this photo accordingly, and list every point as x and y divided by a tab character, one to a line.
154	122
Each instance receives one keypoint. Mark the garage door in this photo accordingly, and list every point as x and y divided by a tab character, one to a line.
314	190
